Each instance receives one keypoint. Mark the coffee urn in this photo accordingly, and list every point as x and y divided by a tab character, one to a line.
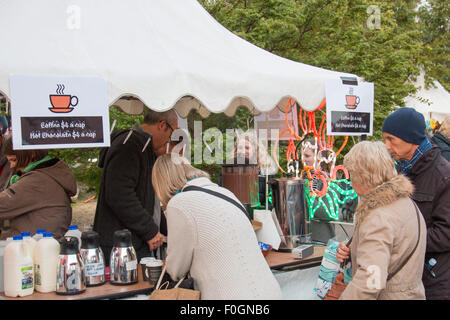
242	180
290	208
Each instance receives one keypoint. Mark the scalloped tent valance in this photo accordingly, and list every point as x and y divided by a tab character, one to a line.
167	54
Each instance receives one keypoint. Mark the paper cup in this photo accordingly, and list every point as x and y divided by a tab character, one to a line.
143	262
153	270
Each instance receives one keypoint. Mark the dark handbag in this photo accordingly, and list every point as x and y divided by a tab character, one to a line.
339	286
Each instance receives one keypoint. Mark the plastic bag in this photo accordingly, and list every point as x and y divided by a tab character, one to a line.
329	269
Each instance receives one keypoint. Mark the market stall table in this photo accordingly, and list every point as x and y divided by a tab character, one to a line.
106	291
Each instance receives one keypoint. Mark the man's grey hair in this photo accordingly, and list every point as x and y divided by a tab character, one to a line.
152	117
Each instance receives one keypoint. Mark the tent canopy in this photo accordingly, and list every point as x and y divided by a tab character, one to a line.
433	103
157	53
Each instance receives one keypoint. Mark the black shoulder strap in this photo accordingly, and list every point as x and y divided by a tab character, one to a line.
217	194
414	250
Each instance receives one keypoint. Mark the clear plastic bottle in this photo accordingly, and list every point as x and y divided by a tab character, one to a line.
430	265
46	255
39	234
18	269
74	232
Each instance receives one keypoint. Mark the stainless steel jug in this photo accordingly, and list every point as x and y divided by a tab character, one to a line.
93	259
123	260
290	208
70	278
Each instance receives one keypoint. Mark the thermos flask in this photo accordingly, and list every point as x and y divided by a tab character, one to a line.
70	272
123	260
93	259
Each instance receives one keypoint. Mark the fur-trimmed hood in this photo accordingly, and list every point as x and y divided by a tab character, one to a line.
383	195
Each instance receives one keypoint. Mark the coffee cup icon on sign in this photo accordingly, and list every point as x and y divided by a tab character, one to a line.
352	101
62	103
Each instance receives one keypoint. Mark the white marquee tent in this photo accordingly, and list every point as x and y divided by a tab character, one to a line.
164	53
433	103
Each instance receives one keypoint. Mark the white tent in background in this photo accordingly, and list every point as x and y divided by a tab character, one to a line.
164	53
433	103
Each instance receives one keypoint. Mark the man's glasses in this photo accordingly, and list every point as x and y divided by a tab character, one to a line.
170	127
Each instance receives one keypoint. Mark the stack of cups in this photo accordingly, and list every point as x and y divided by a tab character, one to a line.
151	269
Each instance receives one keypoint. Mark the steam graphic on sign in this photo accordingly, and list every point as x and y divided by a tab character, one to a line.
62	103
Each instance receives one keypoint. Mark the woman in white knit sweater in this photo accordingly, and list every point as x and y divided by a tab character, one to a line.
209	237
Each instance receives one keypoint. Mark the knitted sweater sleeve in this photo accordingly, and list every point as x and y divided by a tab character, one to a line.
181	241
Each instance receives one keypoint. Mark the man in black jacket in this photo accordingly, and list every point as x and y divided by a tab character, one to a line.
126	198
422	163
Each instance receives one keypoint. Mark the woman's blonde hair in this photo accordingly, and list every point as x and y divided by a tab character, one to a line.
370	164
170	173
265	161
445	127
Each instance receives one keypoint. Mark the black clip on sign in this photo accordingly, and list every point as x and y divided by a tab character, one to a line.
349	81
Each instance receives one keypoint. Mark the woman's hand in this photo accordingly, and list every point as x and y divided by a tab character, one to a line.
343	252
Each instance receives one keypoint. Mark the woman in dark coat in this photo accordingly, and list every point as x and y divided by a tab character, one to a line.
442	138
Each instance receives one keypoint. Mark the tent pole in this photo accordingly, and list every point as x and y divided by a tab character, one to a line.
267	171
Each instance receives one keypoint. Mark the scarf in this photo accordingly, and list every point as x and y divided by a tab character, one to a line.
29	168
404	166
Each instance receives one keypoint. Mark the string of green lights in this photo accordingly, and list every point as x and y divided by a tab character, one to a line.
333	198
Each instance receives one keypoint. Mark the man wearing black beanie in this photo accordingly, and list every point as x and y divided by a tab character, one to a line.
405	138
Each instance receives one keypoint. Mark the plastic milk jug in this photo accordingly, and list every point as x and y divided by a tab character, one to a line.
29	242
74	232
18	269
39	234
2	252
46	255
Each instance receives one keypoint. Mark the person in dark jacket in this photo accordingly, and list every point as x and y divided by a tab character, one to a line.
126	198
419	160
38	196
441	138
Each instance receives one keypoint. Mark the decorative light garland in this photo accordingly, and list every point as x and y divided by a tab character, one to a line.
307	128
329	196
332	210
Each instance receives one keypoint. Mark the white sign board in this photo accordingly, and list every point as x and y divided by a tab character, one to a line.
52	112
349	108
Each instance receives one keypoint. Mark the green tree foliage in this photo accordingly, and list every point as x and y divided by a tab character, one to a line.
434	17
